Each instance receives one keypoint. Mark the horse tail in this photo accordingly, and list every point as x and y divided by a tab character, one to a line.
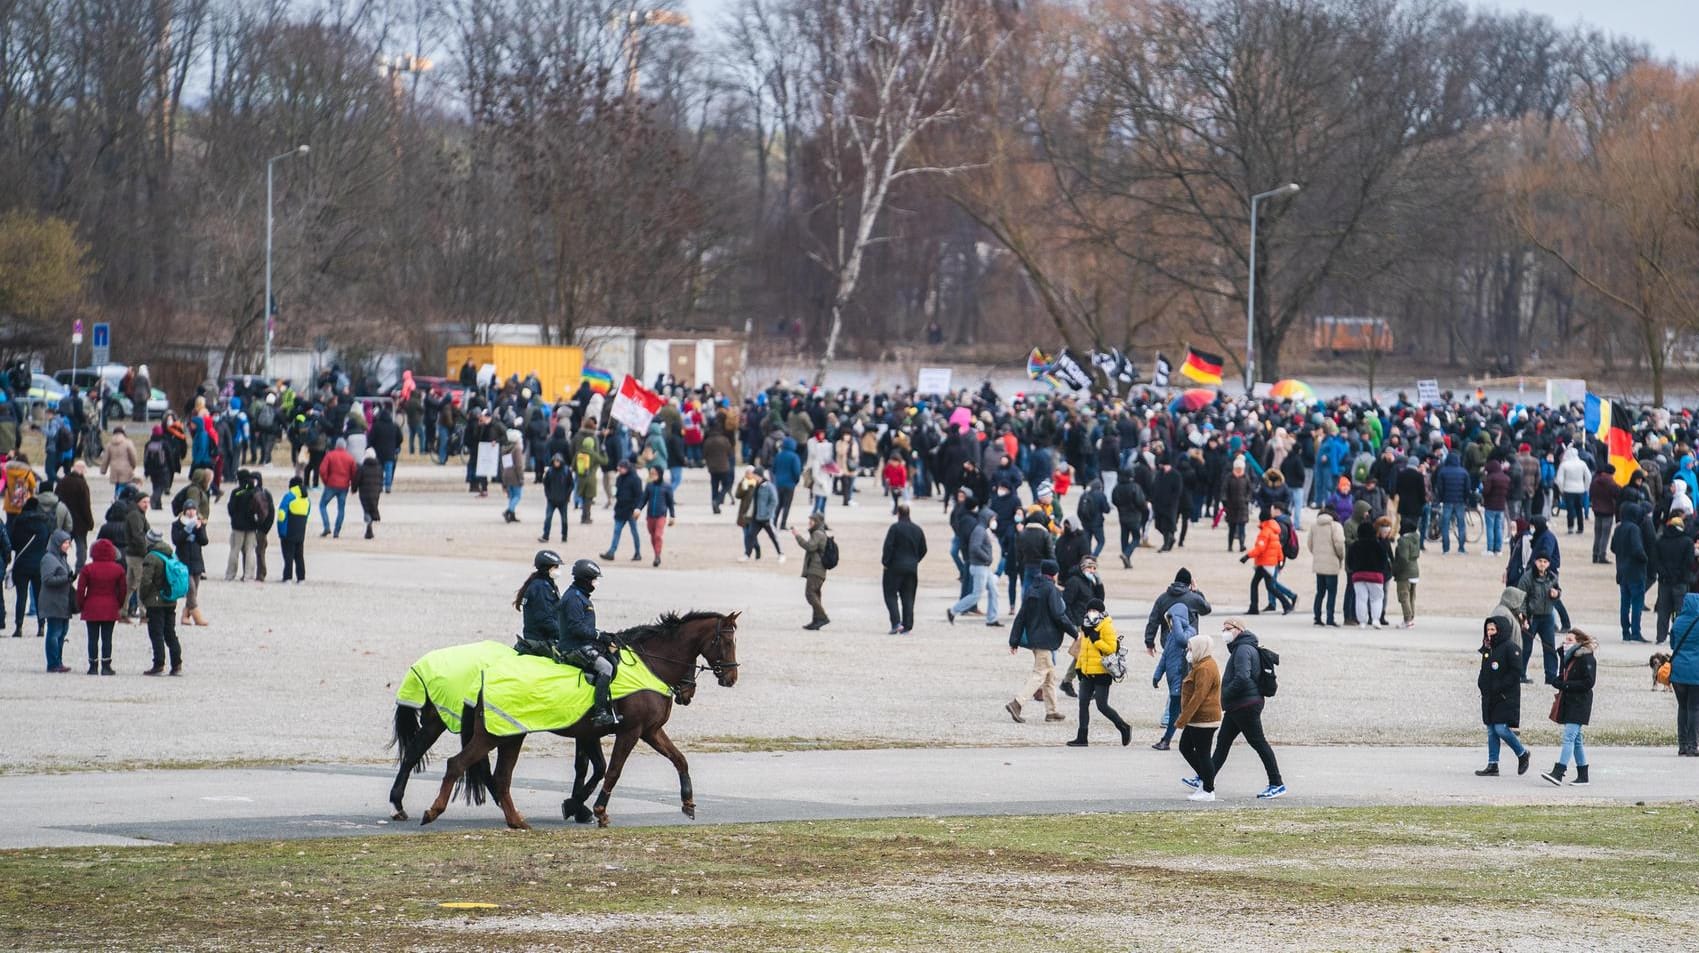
406	735
479	780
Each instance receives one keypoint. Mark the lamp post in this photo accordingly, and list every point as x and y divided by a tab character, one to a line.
299	150
1289	188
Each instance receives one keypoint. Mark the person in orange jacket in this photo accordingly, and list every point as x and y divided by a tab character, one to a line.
1268	554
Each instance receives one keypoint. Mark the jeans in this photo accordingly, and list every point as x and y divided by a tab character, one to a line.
1572	746
549	511
28	591
1194	747
1129	538
1602	523
819	503
1631	603
1276	592
1096	534
619	528
1096	688
99	642
415	437
513	494
675	476
1451	515
1327	586
443	434
1574	512
1687	716
1495	531
899	590
1545	626
961	566
1248	722
388	475
1498	733
162	632
984	584
341	498
1172	723
56	629
719	484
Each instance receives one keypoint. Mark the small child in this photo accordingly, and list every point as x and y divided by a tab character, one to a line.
1406	569
896	481
1172	665
1574	686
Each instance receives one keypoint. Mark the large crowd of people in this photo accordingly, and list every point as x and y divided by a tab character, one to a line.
1380	487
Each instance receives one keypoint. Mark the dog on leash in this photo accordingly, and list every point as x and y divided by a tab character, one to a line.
1657	663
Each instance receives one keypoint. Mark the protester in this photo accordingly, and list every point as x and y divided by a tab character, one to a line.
658	510
293	512
57	576
1577	672
1327	559
1268	552
1242	707
1181	590
1097	640
161	603
558	484
369	488
628	496
904	548
1172	666
1407	569
1628	545
1684	677
1540	590
814	568
1200	714
1500	683
118	461
981	555
337	472
1039	627
31	531
101	589
188	538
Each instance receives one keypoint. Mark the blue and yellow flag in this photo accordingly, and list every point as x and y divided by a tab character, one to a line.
1597	417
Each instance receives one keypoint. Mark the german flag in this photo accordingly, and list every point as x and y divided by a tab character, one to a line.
1202	366
1620	445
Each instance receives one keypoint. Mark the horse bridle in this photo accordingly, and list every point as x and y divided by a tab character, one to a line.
692	669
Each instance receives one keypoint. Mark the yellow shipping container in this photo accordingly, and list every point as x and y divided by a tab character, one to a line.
558	367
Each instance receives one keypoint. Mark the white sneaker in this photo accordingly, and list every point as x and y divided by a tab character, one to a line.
744	558
781	559
1201	795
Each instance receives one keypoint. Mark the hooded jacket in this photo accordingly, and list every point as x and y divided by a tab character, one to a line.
1327	545
787	466
981	550
1240	687
1176	592
1181	628
1095	643
1451	483
152	585
1200	693
56	579
189	544
1573	475
1510	607
1671	555
1500	679
1042	619
1684	642
1628	545
74	494
557	482
1266	551
102	586
1495	487
1078	591
30	533
1577	670
905	547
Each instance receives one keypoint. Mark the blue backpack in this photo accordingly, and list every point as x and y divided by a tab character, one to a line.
176	578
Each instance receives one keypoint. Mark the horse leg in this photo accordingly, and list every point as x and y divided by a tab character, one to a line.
658	740
476	749
430	729
587	759
507	756
624	742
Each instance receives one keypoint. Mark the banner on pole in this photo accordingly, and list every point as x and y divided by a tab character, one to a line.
635	405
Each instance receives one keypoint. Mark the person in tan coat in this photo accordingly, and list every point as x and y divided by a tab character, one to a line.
1327	556
118	462
1200	714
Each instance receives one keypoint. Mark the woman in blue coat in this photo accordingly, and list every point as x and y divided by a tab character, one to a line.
1684	675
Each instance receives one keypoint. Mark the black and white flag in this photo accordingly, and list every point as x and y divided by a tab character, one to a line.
1159	377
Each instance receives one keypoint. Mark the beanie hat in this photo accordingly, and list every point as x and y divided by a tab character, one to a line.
1184	576
1048	567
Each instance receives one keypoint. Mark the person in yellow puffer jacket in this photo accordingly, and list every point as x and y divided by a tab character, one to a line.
1097	639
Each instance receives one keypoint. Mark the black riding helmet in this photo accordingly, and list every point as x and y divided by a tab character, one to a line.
586	571
546	559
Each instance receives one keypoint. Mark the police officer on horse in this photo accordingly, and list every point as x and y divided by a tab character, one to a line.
569	635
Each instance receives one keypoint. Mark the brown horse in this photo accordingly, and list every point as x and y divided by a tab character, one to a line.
670	648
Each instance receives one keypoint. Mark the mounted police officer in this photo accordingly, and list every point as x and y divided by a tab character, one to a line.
539	601
585	646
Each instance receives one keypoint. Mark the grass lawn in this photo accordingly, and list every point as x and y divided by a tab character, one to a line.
1558	878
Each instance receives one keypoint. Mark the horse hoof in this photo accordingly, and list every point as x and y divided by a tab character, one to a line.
601	818
430	815
519	825
690	809
399	815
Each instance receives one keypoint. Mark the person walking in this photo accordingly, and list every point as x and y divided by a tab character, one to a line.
1684	677
1131	510
136	531
1495	500
54	605
905	547
369	487
1268	553
101	588
1181	589
1200	714
558	482
1039	627
189	538
336	473
786	475
511	473
293	511
718	456
1628	545
1172	666
161	606
658	510
628	495
1573	478
1407	569
30	531
981	565
1327	559
243	521
1500	684
74	493
814	568
1097	640
1540	593
1602	494
1576	675
1673	562
119	461
1242	705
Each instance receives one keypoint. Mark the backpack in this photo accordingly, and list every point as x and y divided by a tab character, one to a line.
178	501
264	417
63	441
1289	541
829	555
1360	467
1267	682
176	578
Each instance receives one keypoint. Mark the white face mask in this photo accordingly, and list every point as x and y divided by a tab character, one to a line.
555	574
188	519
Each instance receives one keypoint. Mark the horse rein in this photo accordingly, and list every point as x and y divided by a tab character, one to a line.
689	680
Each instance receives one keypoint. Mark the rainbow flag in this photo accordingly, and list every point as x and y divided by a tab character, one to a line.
601	382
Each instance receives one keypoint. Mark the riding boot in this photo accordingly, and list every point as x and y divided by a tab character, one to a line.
605	716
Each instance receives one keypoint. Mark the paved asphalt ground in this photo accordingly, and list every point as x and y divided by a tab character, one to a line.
146	807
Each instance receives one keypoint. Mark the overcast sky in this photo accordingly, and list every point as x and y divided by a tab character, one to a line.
1670	26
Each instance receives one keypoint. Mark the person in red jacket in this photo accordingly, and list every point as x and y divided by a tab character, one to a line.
101	590
896	482
337	472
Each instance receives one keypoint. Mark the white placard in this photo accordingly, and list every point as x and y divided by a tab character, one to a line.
486	375
1427	392
1563	391
489	456
933	380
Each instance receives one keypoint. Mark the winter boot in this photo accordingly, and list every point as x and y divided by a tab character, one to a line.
368	531
158	669
93	667
195	614
1522	762
1580	775
1490	771
1555	775
106	667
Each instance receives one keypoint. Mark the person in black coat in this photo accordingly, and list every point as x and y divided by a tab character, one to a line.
628	492
1165	493
1131	508
1672	559
384	438
558	481
1500	684
1040	627
905	547
1574	684
369	486
1628	545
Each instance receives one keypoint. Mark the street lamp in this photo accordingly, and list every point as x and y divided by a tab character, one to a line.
299	150
1289	188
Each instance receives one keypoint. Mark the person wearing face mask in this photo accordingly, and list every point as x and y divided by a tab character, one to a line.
188	536
538	601
583	645
1097	641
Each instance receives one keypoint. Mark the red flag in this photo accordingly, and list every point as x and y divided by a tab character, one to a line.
635	405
